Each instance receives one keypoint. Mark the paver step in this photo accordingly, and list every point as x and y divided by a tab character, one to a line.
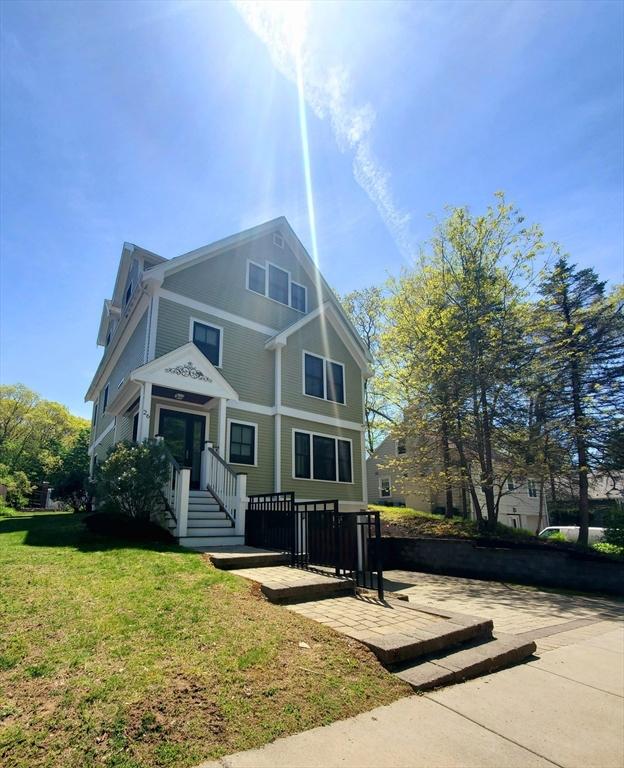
393	649
247	557
208	542
498	653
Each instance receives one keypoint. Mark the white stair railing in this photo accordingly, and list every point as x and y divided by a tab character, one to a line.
228	487
176	492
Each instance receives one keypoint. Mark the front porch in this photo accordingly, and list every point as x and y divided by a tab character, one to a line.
181	399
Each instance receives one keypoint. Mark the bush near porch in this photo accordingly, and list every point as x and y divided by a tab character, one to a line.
127	656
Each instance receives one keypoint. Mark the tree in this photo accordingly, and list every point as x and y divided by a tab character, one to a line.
365	309
34	432
70	478
458	331
582	332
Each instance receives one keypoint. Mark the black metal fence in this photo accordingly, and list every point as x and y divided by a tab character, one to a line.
317	534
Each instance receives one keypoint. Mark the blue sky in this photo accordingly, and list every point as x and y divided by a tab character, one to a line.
170	125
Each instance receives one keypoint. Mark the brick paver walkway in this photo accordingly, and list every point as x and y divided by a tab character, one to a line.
362	616
515	609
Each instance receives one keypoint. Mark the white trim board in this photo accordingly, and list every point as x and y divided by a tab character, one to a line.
228	425
209	309
101	436
294	413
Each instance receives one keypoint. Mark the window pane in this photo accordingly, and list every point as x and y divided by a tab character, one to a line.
207	339
105	403
324	458
298	297
278	284
344	461
314	376
335	383
135	427
242	444
302	454
256	279
400	446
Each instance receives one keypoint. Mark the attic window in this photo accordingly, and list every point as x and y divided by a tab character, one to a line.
278	240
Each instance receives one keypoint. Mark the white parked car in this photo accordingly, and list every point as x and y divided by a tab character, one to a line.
571	532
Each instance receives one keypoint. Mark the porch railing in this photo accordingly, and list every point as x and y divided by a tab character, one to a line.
228	487
176	492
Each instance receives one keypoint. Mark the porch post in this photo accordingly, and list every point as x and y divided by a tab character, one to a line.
241	503
145	407
221	411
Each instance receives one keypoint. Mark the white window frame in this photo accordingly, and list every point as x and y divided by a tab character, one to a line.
227	441
313	479
266	273
305	297
381	495
193	320
265	267
325	361
531	484
94	415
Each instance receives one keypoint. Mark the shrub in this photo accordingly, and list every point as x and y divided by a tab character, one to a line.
18	487
608	549
130	481
559	537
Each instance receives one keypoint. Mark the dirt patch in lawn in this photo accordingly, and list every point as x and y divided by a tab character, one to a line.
118	655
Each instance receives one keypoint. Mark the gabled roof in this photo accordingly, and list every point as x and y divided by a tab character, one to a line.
340	325
280	224
185	368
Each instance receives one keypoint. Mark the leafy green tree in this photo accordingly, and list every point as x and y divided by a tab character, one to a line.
582	329
458	331
34	432
17	487
365	308
70	478
131	478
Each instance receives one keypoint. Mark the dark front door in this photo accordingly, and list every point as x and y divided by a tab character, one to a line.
184	434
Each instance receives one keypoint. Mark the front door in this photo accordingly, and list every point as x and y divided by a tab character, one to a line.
184	434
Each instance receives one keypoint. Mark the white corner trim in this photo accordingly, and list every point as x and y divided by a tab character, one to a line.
222	314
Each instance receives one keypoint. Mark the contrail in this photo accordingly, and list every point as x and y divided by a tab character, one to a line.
282	27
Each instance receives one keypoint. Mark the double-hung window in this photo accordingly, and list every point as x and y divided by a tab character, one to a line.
532	488
242	443
95	411
298	297
278	284
384	487
208	339
322	457
256	278
323	378
105	399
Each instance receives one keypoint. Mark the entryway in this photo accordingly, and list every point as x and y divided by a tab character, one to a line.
184	434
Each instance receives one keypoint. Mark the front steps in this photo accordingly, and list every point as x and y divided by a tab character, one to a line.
426	648
208	526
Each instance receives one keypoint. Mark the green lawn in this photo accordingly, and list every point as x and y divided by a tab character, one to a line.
113	654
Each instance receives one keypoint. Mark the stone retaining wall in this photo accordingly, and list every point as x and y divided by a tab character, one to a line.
523	564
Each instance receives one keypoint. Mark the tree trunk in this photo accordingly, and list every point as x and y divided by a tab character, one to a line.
446	457
541	505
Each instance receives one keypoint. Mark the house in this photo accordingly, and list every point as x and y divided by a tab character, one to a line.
240	358
389	484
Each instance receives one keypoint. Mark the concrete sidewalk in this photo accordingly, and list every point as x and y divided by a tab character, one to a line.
563	709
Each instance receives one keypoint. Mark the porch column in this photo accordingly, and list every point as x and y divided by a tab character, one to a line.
145	407
221	428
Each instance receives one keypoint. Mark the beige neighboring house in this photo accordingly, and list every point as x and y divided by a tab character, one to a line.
519	506
240	358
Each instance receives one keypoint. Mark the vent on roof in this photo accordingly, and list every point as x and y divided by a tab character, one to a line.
278	240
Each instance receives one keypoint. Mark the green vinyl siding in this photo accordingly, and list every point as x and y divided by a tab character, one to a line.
320	489
260	479
221	281
246	364
124	428
321	339
102	448
132	357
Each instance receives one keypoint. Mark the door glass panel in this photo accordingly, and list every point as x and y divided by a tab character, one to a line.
197	444
173	429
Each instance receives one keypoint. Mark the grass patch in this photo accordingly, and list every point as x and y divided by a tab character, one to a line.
115	653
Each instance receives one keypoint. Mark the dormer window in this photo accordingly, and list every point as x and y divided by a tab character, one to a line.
275	283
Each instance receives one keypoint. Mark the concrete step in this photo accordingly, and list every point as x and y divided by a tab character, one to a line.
208	542
395	649
464	664
247	557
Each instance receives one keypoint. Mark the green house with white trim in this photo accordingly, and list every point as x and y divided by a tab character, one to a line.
239	357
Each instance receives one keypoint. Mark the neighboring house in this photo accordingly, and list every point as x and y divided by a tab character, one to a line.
240	357
387	484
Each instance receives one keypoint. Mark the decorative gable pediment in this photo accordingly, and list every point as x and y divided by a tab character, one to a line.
186	368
